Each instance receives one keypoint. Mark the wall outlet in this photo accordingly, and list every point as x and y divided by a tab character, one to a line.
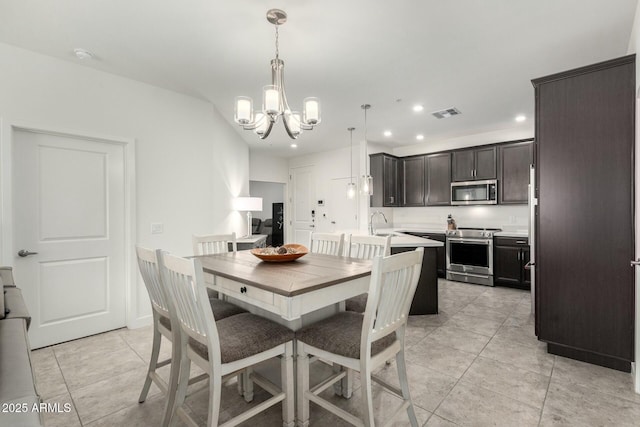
157	228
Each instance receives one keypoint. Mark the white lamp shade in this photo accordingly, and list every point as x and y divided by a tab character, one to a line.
248	204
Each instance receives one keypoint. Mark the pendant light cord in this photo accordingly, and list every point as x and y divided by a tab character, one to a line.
351	156
277	44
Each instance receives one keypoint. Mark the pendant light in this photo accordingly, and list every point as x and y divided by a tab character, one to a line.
367	179
351	186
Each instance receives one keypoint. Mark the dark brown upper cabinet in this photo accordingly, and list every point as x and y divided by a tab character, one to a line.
438	179
413	181
385	172
474	164
514	160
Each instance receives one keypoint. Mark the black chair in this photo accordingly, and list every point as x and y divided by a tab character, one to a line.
256	224
267	228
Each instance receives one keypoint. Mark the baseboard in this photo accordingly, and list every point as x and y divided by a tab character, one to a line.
140	322
590	357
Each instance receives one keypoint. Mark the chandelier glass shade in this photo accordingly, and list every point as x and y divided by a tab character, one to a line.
351	186
274	100
367	179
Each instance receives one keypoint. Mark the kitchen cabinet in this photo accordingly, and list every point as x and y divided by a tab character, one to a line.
413	181
384	171
425	300
585	134
514	160
474	164
510	255
438	179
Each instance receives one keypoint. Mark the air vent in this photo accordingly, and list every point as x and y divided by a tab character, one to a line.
443	114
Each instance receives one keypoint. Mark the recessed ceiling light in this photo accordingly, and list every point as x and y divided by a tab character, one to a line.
387	133
417	108
420	137
520	118
294	145
83	54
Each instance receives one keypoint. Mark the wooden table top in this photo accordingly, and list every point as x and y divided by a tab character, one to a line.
306	274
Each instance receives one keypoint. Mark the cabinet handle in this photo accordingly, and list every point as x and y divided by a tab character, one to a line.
243	290
390	199
521	242
519	254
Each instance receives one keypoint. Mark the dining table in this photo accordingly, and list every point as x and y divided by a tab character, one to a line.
294	293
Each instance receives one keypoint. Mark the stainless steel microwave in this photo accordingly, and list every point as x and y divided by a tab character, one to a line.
474	192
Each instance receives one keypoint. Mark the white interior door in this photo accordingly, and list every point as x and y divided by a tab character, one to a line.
304	204
343	212
68	201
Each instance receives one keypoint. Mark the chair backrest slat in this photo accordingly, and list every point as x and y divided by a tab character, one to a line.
394	280
326	243
211	244
185	282
367	247
148	262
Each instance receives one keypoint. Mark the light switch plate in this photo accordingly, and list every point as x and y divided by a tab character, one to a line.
157	228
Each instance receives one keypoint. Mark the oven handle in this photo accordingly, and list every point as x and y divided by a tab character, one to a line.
470	241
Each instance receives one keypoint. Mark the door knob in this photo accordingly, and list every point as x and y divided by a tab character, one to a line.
23	253
634	263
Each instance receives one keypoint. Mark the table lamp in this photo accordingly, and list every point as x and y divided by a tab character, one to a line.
248	204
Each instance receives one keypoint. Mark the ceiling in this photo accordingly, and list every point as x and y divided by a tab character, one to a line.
478	56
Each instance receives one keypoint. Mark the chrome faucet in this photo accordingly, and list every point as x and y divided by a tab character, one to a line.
373	215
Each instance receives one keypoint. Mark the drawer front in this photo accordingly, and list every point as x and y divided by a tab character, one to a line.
243	292
511	241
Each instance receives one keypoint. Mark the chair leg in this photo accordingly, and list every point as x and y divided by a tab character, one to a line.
366	385
404	386
153	361
286	373
303	386
337	387
240	384
174	375
183	382
215	389
247	385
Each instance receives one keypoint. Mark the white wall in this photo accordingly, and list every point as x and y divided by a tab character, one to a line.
180	182
264	167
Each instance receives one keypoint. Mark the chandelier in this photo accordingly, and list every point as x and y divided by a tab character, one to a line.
274	99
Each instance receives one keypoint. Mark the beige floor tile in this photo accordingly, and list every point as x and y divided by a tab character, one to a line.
446	360
470	405
578	405
496	304
427	387
62	417
523	335
415	334
475	324
436	421
110	395
484	312
49	380
457	338
141	340
513	382
147	414
529	358
427	320
605	380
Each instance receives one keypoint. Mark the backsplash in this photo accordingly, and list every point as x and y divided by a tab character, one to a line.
508	218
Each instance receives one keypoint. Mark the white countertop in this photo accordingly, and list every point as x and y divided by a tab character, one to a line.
524	234
400	240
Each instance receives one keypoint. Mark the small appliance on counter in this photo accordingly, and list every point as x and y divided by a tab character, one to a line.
451	223
470	255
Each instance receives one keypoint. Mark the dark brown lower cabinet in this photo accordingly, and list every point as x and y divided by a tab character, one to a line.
441	252
584	224
510	256
425	301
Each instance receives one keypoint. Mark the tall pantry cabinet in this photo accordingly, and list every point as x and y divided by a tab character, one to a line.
584	224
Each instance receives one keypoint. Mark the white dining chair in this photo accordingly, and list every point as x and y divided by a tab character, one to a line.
326	243
211	244
363	343
224	348
365	247
163	310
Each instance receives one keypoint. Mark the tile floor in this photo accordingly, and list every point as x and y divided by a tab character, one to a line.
477	363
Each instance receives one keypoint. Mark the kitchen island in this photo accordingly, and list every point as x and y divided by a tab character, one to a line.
425	300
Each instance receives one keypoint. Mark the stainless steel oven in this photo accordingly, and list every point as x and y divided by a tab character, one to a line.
474	192
470	255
